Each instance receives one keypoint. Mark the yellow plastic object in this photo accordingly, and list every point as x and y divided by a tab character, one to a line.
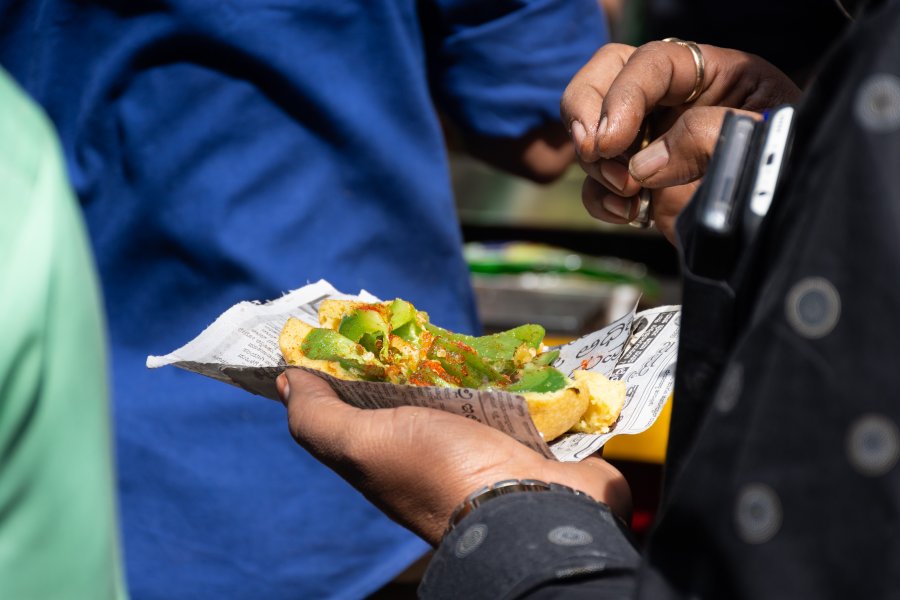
649	446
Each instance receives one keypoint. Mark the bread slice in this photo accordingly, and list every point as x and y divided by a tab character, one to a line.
590	405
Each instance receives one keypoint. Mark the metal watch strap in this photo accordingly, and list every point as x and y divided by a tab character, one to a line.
507	486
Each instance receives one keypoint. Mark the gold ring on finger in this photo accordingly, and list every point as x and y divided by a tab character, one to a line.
699	66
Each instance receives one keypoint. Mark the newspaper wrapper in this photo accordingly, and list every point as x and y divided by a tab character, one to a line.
241	348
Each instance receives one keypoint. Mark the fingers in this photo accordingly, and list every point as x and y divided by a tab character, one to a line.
665	206
679	156
682	154
593	476
607	206
656	74
583	98
614	175
616	491
609	98
317	418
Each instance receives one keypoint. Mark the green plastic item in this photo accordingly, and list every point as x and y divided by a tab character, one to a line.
513	258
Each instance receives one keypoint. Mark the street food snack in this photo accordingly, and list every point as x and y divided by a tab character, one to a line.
395	343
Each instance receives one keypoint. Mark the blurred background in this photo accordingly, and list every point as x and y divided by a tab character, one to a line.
535	253
538	245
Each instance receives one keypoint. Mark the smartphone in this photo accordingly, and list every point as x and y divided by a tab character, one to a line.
775	150
716	239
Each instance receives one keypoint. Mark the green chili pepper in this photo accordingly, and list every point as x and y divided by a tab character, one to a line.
461	361
430	372
327	344
543	379
545	359
362	345
405	321
367	328
449	335
402	312
530	334
498	349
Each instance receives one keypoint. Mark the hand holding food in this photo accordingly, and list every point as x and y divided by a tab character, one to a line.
395	343
417	464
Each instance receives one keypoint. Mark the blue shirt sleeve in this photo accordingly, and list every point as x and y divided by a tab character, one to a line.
499	68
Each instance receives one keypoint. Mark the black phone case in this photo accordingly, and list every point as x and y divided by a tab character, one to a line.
714	263
714	244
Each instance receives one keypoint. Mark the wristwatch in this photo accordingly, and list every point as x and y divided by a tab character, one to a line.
501	488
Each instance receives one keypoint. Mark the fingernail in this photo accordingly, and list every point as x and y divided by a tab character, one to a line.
578	134
621	207
601	128
284	390
649	161
614	173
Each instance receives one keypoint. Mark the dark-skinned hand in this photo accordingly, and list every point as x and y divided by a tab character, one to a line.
419	464
621	87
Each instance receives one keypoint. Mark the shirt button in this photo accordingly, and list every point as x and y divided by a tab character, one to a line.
730	389
569	536
873	444
757	513
470	540
877	105
813	307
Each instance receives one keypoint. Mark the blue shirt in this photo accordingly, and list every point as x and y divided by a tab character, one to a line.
230	150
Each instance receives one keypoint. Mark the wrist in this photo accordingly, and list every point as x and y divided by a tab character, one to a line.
501	488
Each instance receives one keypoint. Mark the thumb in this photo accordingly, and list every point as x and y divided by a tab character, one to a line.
682	154
317	418
617	492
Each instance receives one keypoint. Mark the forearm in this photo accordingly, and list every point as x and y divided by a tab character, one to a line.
543	155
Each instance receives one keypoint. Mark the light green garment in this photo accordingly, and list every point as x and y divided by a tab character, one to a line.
58	525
